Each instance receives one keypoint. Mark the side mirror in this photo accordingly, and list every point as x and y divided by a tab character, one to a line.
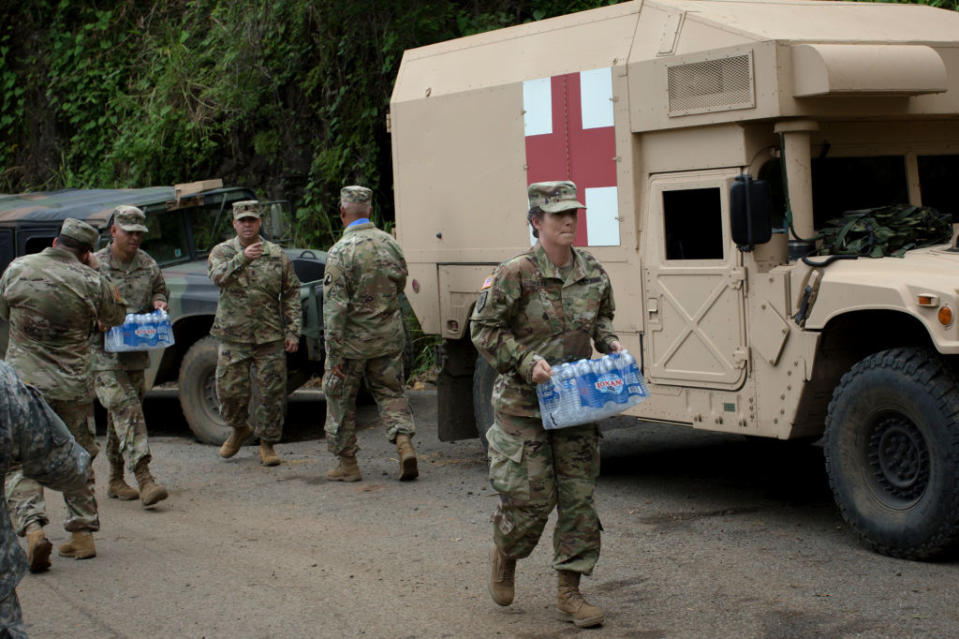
750	212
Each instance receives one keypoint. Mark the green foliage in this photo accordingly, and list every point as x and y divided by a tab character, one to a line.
286	96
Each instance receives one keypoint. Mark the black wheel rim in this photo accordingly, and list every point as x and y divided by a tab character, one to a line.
898	460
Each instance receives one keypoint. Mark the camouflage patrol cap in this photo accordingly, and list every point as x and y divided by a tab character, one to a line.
553	197
246	208
356	194
130	219
80	231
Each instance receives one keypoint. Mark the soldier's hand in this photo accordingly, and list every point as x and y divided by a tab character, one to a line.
103	327
91	260
338	371
253	251
160	305
291	344
542	371
615	346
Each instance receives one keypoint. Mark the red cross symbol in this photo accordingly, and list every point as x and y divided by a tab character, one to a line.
569	136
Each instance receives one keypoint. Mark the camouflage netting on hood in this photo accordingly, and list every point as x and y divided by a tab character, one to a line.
885	231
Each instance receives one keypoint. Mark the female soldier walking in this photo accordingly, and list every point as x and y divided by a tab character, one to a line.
542	307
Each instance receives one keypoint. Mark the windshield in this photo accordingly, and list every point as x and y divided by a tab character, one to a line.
166	241
842	184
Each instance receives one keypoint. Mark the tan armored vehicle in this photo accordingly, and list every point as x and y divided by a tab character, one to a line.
711	141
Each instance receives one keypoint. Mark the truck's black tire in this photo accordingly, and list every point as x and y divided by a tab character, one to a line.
483	377
892	453
197	392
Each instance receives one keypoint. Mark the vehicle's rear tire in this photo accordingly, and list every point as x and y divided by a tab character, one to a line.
197	392
892	453
484	376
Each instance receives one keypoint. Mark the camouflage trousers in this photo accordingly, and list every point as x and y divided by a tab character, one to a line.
121	393
384	379
11	619
535	470
25	496
262	366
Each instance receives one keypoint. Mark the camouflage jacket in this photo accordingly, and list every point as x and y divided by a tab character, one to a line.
259	299
140	283
33	436
527	309
53	303
365	275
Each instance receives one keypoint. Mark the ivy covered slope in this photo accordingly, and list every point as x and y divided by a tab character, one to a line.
288	97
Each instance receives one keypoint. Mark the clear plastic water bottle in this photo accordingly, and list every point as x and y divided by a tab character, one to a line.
163	328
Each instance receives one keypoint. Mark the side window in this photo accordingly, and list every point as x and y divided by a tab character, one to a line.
6	248
34	243
937	181
693	221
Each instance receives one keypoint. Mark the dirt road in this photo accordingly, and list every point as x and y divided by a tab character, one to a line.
706	535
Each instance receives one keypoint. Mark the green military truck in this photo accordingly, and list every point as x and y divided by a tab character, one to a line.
185	222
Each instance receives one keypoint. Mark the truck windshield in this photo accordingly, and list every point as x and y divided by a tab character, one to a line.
166	241
207	231
937	179
842	184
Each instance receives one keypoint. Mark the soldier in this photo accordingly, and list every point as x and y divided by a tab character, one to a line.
33	437
365	275
257	318
540	308
53	301
118	377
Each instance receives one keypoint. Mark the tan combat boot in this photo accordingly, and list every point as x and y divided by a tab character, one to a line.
268	456
80	546
573	606
38	548
346	470
150	491
236	439
408	468
502	577
118	488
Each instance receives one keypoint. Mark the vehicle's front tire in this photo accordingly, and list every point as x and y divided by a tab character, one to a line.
197	392
484	376
892	453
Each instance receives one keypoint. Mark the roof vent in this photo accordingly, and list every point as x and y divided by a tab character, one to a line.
723	84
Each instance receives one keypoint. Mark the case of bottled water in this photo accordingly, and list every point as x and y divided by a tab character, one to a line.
590	389
140	332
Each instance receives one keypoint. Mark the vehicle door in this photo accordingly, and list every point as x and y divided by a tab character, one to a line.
695	311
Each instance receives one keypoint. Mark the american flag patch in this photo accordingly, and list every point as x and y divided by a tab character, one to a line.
487	283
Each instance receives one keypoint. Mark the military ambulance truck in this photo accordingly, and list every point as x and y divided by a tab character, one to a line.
710	141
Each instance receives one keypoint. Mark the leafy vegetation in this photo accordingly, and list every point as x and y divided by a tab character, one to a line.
287	96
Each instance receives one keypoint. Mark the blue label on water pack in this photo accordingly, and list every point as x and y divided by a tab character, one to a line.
586	391
140	332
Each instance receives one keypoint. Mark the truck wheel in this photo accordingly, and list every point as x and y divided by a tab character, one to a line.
892	453
483	377
198	392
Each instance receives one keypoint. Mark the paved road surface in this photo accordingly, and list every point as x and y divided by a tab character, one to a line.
707	535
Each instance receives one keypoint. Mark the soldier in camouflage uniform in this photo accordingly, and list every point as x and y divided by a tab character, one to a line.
35	439
363	324
54	301
118	377
257	319
540	308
